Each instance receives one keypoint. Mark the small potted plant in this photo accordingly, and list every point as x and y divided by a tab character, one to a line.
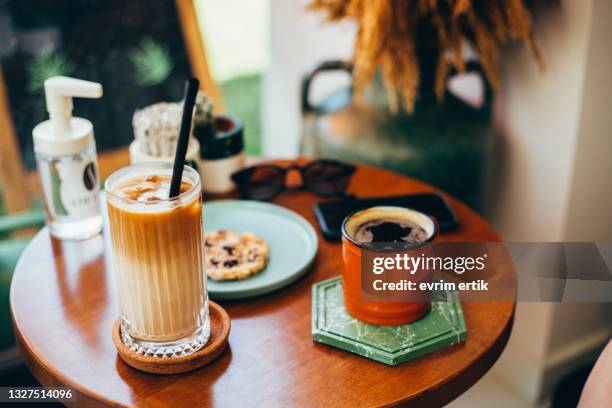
221	145
156	129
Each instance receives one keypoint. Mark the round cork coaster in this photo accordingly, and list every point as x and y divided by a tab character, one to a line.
219	333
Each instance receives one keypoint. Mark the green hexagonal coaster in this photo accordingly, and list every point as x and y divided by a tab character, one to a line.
332	325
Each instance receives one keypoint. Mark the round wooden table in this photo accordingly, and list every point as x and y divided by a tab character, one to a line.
64	303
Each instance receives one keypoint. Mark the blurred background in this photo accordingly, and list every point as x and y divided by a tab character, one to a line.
533	157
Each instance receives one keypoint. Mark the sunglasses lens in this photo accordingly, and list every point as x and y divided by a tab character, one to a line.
327	177
262	183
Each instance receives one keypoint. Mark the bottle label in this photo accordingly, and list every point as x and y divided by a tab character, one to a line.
75	189
79	188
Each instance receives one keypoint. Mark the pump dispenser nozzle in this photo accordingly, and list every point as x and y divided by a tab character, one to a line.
59	91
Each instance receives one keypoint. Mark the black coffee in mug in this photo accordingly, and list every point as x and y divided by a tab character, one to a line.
391	230
390	224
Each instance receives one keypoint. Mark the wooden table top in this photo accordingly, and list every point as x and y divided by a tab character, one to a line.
64	303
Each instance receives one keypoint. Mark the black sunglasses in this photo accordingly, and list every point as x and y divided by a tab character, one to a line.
264	181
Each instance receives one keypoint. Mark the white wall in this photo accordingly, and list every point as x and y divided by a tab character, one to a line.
298	39
538	119
589	209
556	179
589	214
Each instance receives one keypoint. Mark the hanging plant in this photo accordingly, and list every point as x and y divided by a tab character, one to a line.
152	62
47	63
392	33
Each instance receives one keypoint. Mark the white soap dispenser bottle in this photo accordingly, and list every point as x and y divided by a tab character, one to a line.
66	159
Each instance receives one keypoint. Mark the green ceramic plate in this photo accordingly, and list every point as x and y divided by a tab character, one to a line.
291	239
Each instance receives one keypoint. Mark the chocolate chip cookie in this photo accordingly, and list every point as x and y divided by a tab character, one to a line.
234	256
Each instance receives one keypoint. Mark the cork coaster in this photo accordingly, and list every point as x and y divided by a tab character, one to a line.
219	333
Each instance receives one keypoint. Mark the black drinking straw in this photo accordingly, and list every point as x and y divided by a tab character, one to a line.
191	90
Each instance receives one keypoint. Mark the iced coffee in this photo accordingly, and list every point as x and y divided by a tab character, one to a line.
158	259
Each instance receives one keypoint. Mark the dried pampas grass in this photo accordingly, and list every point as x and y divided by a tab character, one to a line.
389	31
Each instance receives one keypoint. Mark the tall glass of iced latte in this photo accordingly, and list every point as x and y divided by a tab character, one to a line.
158	259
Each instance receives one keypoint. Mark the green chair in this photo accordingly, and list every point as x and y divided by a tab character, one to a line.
10	250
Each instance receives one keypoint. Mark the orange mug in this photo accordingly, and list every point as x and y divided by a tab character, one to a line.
379	312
